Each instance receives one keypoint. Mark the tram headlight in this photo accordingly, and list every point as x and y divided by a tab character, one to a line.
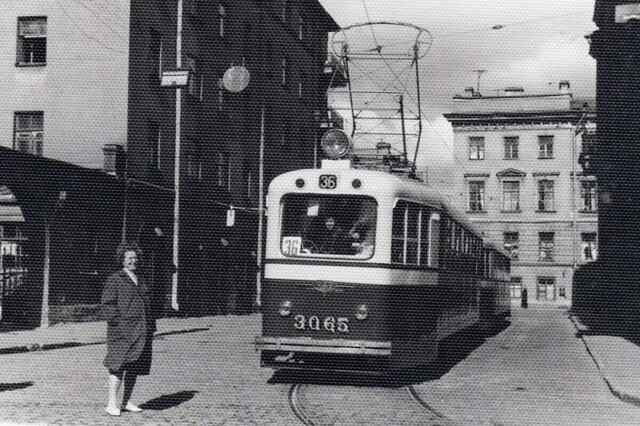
285	308
362	312
300	183
335	143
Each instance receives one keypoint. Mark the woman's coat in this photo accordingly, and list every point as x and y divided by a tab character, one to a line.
130	326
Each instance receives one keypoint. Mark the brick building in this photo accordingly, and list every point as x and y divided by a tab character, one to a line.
519	180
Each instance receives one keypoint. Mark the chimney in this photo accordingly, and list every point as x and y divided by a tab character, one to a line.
114	159
564	86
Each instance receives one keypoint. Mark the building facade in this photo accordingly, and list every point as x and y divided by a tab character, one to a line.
518	179
616	161
86	89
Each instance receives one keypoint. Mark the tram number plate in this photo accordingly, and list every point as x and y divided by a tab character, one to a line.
332	324
328	181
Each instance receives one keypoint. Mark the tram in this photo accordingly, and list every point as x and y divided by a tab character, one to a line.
368	271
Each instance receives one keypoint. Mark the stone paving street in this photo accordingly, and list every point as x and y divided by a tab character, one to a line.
534	372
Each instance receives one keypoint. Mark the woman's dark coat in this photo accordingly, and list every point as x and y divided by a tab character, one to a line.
130	325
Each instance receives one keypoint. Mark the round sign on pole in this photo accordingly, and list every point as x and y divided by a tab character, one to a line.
236	79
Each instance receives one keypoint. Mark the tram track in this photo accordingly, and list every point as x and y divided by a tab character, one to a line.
296	408
416	397
433	416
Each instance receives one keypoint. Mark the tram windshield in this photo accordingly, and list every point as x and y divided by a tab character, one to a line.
328	226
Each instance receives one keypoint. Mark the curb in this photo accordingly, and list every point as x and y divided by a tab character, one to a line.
621	395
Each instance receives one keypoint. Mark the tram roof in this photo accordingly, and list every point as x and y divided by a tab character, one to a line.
386	185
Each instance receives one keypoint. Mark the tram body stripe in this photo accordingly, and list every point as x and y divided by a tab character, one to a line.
351	274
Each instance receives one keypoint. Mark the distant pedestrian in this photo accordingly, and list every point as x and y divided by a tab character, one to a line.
524	302
130	328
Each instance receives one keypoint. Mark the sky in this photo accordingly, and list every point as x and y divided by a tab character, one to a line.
533	44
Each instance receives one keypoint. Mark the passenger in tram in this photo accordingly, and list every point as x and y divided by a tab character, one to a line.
334	239
363	231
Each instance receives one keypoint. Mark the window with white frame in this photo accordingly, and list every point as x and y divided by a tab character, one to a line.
545	146
516	287
546	288
546	245
511	144
546	195
32	41
300	27
476	196
29	132
511	243
476	148
511	196
588	196
589	246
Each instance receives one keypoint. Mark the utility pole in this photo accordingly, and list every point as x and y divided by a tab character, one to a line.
176	171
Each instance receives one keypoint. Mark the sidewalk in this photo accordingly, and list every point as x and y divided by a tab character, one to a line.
617	359
89	333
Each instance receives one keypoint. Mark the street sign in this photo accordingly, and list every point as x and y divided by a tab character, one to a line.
236	79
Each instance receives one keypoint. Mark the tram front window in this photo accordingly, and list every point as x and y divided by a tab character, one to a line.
328	226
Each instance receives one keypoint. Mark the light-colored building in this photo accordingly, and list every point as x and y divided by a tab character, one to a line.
64	78
518	178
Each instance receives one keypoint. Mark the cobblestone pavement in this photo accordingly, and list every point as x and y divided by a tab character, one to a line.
534	372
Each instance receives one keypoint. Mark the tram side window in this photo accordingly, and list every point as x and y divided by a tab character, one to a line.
434	243
410	234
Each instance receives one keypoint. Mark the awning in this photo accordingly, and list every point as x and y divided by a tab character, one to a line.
10	213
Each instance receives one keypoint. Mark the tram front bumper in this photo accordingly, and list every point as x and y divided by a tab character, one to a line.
332	346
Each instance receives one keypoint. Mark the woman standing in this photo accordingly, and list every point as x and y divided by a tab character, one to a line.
130	328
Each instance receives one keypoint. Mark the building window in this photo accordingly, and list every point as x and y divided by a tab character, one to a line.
546	246
589	247
588	196
511	147
32	41
300	28
546	288
29	132
191	6
222	14
285	66
476	196
511	242
194	166
220	94
511	196
154	144
545	195
516	287
545	144
476	148
223	171
155	55
194	85
285	130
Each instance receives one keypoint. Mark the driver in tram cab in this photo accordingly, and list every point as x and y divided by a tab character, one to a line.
334	239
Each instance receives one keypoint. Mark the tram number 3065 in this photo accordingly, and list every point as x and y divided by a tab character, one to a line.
341	325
